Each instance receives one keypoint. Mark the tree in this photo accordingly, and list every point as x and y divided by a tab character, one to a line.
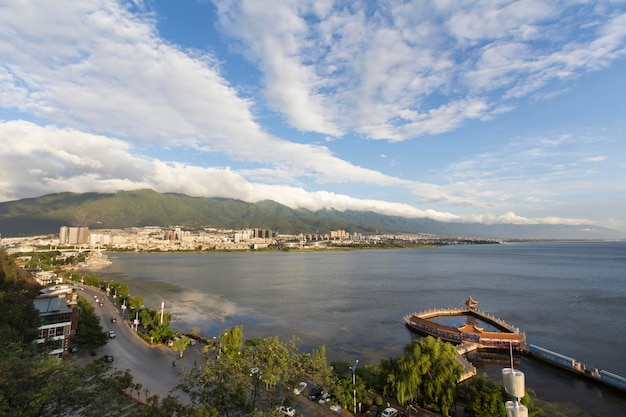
179	345
135	302
427	371
146	316
274	368
33	383
484	398
19	319
487	398
89	333
316	366
221	383
252	381
161	333
232	339
344	392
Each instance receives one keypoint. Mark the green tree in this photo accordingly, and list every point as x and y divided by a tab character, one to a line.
344	392
161	333
232	339
484	398
274	369
135	302
316	366
147	316
221	383
19	319
427	372
33	383
89	333
169	407
179	345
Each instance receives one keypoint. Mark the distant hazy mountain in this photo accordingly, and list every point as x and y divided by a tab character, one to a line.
45	215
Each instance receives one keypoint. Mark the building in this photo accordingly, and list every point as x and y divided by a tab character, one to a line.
73	235
59	317
46	278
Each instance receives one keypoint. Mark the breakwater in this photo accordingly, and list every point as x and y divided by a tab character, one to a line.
572	365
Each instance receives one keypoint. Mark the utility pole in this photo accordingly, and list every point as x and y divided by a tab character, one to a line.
354	384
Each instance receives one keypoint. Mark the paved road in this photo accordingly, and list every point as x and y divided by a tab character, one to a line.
150	366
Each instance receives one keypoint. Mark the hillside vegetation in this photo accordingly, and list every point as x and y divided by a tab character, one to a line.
123	209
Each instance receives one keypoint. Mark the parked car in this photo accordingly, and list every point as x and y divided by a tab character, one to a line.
298	390
111	334
389	412
324	397
335	409
287	411
107	358
315	392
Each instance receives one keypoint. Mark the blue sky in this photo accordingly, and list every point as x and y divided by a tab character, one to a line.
484	111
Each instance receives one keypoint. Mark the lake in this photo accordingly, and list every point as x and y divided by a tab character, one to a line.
569	297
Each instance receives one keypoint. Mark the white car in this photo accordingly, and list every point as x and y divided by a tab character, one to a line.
111	334
301	387
287	411
335	409
389	412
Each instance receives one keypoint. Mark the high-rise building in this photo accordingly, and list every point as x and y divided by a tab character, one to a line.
73	235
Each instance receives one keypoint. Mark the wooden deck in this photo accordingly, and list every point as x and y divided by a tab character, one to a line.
507	336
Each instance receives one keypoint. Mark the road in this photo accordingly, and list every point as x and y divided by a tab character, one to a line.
150	366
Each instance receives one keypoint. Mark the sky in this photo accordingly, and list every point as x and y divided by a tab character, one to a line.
464	111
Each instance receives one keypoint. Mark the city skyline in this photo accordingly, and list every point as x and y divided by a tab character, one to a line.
489	112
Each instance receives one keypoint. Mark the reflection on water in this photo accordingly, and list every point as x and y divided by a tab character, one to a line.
459	321
567	297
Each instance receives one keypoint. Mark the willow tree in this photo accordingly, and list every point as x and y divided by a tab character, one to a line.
426	372
232	339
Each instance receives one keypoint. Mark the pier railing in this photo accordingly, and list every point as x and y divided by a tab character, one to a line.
427	314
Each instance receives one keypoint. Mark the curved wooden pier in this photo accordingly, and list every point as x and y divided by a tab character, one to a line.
506	337
469	338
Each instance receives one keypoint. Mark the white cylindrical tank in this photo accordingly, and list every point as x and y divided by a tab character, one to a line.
515	409
513	382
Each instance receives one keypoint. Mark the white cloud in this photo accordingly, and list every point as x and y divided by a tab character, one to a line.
512	218
599	158
69	160
382	74
111	74
61	159
98	83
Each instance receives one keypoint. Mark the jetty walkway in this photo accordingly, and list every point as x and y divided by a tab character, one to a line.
469	338
476	336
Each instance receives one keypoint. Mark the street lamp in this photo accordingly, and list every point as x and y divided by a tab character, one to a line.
354	383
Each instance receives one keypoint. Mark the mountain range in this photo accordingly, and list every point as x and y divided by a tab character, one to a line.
46	214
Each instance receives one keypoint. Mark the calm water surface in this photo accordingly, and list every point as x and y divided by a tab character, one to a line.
568	297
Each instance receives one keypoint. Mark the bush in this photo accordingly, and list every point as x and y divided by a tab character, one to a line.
378	401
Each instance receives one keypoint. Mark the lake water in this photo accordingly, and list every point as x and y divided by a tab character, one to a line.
569	297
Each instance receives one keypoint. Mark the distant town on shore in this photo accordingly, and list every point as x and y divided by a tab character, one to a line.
167	239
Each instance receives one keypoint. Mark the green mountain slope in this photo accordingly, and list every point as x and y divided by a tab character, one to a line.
46	214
